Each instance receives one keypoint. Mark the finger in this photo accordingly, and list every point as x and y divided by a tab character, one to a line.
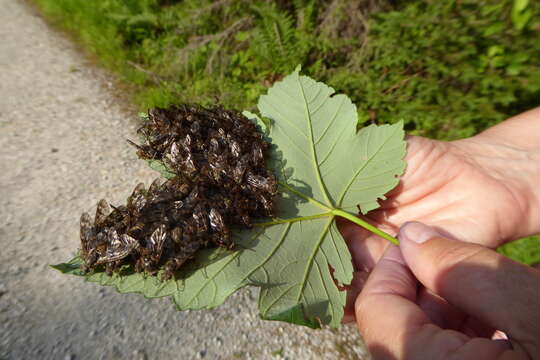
385	310
439	311
476	328
353	290
448	316
366	248
394	327
497	290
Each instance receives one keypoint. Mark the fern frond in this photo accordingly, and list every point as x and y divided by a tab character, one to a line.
277	37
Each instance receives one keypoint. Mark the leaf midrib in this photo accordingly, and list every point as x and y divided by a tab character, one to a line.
315	162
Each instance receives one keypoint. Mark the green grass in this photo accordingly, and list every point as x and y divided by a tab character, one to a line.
525	250
449	69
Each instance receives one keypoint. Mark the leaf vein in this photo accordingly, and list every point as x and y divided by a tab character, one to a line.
284	118
366	163
341	262
334	144
332	120
313	151
312	256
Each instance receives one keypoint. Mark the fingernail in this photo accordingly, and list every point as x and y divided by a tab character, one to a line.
416	232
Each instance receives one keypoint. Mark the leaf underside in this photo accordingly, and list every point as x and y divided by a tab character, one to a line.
298	260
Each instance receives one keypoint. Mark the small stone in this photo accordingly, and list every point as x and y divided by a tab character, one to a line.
139	355
101	292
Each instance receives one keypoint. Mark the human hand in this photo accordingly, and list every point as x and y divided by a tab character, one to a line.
469	291
454	187
472	190
482	189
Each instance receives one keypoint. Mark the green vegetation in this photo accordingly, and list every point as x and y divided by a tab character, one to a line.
449	69
525	250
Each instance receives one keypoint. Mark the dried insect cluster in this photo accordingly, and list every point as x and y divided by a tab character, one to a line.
221	180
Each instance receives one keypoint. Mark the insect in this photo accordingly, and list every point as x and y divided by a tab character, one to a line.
220	180
87	233
156	241
155	186
187	249
260	183
102	211
119	247
257	154
137	199
200	215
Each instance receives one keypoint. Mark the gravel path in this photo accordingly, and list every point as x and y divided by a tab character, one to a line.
62	148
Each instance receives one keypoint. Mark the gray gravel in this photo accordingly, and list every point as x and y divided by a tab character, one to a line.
62	148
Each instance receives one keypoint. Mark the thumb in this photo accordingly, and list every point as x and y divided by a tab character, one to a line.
479	281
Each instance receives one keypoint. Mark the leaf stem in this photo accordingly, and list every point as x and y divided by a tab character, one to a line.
365	225
336	212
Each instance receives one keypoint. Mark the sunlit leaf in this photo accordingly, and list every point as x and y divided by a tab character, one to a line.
299	260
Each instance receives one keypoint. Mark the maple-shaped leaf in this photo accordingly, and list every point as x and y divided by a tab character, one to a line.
326	169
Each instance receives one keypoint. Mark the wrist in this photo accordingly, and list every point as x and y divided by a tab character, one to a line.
517	168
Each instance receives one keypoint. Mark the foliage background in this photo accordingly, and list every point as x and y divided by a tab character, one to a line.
448	68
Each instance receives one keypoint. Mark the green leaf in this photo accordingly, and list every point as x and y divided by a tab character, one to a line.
72	267
161	168
299	260
294	315
332	163
521	14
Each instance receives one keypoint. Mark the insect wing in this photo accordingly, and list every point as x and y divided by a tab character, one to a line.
266	204
200	216
102	211
240	169
195	127
176	235
155	186
86	231
117	249
157	241
186	143
137	192
216	220
137	200
257	154
129	242
214	145
189	165
235	148
191	199
257	181
175	153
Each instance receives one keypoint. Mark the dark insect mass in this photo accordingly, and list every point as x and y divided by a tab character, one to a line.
221	181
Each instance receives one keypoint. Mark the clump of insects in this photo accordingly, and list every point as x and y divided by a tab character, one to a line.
220	181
